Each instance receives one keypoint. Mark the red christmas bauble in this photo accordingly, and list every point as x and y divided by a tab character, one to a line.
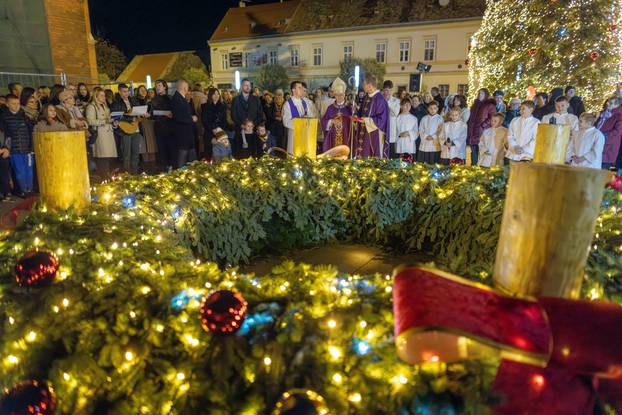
613	27
532	52
616	183
467	62
223	312
36	269
594	55
29	398
456	160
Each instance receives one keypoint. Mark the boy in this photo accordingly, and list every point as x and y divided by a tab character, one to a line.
221	147
265	140
512	112
17	129
249	140
493	143
561	116
453	138
407	131
522	134
429	129
586	149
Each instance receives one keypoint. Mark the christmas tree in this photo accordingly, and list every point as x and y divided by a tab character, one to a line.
548	44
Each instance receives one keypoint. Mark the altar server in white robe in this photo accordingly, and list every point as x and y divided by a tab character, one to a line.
562	117
492	145
394	110
586	149
522	134
453	138
298	106
407	131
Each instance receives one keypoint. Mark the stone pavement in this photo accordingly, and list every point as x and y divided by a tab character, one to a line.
348	258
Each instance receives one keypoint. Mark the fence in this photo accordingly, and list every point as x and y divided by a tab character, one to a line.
38	79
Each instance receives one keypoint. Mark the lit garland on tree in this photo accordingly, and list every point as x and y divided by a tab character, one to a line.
548	44
119	330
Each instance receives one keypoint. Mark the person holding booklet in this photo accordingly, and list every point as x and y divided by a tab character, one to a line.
127	128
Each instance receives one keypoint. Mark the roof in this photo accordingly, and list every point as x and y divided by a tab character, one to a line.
154	64
313	15
257	20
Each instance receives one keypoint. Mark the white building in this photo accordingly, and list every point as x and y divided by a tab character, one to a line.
311	37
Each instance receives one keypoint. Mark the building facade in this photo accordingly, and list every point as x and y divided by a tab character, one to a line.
314	56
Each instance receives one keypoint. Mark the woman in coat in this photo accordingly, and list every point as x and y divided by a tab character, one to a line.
98	117
480	118
213	116
610	124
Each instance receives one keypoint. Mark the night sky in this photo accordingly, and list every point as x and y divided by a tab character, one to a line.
151	26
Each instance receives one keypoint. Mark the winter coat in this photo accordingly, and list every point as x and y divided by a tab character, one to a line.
212	117
43	126
510	115
612	129
480	119
17	129
576	106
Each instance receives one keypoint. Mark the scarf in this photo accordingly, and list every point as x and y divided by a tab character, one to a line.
294	109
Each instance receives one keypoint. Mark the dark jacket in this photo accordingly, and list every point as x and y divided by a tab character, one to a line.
17	129
419	112
119	105
162	125
480	119
549	108
182	114
242	109
540	112
510	115
213	116
576	106
441	103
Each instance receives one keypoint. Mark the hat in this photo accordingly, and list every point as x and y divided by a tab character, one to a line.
498	93
339	87
64	95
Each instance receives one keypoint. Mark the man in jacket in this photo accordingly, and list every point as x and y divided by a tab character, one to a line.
245	106
576	102
161	115
130	137
17	129
183	125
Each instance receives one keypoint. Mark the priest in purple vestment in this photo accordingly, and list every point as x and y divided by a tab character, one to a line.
372	133
336	119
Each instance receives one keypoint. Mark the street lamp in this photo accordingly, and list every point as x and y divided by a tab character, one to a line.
148	81
357	76
237	80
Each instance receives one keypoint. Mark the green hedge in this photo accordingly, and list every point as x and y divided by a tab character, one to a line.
123	267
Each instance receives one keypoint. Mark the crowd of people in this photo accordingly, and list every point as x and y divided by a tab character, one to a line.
214	125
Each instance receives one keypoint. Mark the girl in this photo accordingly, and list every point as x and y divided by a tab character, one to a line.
48	120
407	131
429	130
493	143
460	102
453	138
104	147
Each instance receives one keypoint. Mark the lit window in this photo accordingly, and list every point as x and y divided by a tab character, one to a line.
405	51
347	52
273	58
224	60
443	89
381	52
463	89
294	56
429	50
317	56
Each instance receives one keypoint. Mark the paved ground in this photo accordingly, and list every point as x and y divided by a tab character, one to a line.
348	258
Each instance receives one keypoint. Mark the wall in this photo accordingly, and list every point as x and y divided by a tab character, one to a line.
448	67
71	42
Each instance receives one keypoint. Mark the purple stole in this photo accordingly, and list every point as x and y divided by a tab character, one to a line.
294	109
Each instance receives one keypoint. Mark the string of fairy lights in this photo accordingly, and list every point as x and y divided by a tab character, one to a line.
128	257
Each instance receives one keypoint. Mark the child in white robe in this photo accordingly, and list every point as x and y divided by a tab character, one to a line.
522	134
492	144
407	130
586	149
429	131
562	117
453	138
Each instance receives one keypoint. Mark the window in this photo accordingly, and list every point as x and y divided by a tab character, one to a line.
248	61
463	89
381	52
429	50
294	56
405	51
273	58
224	60
317	56
347	52
443	89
